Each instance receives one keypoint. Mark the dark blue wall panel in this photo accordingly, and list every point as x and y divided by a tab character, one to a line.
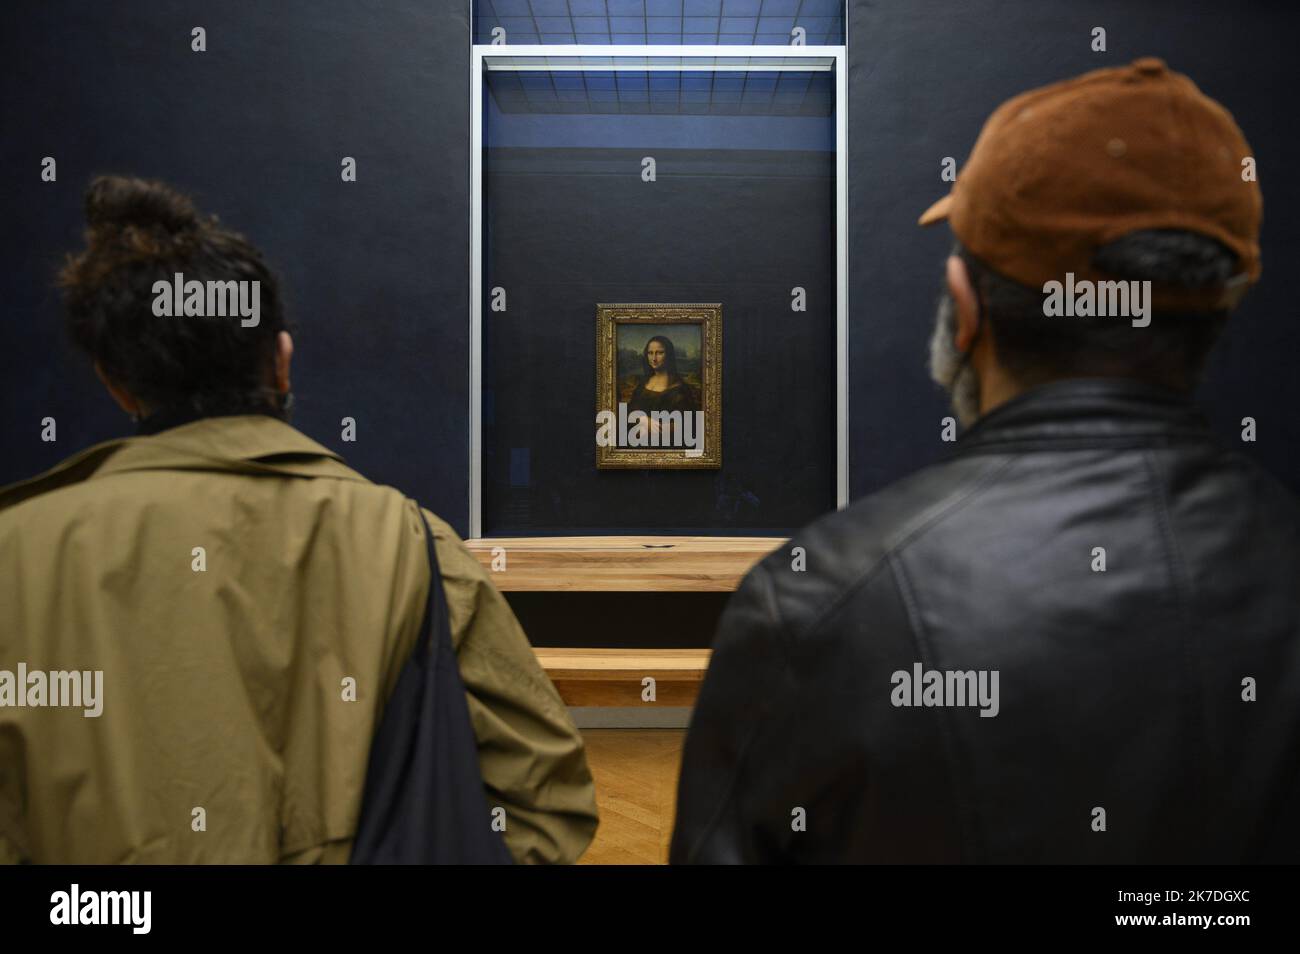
376	271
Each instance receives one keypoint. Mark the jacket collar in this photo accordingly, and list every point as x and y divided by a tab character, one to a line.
1087	412
241	437
247	444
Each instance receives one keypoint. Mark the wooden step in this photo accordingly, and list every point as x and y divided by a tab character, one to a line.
614	677
623	563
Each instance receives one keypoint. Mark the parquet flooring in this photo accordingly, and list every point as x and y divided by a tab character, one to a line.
635	771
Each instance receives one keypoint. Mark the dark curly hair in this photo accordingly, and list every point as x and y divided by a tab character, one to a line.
138	233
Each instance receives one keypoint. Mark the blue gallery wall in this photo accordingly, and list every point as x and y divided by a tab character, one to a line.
376	271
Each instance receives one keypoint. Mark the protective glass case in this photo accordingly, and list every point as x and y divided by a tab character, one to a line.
661	183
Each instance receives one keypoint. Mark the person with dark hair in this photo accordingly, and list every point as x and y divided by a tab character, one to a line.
254	630
165	371
1076	638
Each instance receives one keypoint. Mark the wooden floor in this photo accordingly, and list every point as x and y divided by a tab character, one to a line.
636	792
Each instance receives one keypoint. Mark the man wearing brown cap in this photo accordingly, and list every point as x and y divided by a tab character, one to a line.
1077	638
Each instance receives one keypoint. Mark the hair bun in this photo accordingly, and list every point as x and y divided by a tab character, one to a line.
118	201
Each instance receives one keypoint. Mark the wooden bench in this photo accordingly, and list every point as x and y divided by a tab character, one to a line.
626	564
616	677
588	678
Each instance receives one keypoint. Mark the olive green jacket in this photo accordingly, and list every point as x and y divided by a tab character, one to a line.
250	602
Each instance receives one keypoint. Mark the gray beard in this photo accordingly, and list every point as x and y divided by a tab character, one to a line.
946	367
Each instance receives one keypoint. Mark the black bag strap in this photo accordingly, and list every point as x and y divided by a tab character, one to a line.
424	799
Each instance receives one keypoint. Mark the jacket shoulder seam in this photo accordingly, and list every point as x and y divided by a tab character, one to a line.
911	531
742	758
920	642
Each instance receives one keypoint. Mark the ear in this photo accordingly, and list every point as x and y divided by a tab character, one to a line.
123	398
283	356
966	301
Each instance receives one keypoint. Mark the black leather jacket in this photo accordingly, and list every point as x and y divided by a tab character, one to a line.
1122	690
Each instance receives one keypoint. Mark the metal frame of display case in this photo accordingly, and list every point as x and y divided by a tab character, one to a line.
484	58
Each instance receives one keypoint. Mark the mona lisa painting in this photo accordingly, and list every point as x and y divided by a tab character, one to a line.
659	386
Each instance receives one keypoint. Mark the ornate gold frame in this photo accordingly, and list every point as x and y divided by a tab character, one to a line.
608	317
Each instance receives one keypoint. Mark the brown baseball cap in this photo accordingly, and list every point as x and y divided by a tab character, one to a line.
1059	171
